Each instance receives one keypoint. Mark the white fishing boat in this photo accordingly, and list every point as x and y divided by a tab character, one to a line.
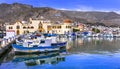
38	45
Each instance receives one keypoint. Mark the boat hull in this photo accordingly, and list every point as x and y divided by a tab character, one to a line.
59	44
37	50
19	48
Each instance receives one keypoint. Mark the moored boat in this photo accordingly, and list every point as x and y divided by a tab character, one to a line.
34	49
39	45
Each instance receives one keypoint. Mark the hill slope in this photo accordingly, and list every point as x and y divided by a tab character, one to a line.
14	12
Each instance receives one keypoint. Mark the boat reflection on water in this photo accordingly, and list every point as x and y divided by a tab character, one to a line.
33	59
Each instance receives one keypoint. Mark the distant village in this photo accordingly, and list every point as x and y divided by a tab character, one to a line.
66	27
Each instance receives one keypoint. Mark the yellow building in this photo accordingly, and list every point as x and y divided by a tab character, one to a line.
33	25
41	25
65	27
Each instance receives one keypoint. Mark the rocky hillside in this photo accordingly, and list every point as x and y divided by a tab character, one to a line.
108	18
17	12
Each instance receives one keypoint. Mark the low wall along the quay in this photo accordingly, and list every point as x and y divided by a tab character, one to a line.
5	45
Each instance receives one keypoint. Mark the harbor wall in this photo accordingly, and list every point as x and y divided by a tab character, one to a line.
5	45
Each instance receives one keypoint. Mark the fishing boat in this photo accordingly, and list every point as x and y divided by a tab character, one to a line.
37	39
38	45
42	47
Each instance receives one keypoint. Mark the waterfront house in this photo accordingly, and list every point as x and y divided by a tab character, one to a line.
39	24
81	27
62	28
22	27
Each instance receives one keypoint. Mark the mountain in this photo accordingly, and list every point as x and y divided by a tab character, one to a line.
16	12
108	18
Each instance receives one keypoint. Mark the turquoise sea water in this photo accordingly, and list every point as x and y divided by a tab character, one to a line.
80	54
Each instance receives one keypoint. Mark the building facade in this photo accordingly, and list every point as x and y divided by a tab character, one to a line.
41	25
63	28
31	26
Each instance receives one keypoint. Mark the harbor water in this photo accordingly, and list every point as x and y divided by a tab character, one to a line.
81	53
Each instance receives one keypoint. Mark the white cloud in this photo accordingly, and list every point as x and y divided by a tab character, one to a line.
83	8
63	9
78	8
117	11
88	8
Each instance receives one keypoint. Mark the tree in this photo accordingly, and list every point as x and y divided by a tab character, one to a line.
95	30
75	30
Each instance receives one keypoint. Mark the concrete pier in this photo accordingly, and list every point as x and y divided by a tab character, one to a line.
5	45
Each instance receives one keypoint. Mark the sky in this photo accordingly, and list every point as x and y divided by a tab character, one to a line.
77	5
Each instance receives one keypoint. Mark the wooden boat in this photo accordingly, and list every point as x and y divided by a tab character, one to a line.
36	44
38	40
34	49
43	47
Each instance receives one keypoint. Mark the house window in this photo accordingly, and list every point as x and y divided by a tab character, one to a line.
24	27
66	26
10	27
28	27
53	26
69	26
18	27
32	27
59	26
27	31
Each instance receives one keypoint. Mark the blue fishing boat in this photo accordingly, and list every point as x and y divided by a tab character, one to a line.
43	47
42	39
54	43
40	49
39	44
